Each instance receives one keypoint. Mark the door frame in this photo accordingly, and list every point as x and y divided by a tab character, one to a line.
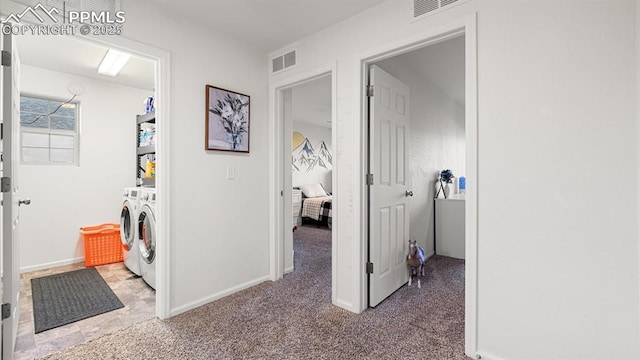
279	208
10	208
162	59
163	145
464	25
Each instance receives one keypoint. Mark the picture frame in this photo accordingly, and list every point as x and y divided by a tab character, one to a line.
226	120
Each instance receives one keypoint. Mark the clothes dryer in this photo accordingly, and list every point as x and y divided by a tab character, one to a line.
129	227
147	236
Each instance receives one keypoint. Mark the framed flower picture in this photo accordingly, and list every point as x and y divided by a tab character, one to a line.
226	120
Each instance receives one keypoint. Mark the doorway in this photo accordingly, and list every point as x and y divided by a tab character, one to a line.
416	132
304	114
465	26
89	94
307	107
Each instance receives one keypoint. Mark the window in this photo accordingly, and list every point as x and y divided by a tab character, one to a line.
49	131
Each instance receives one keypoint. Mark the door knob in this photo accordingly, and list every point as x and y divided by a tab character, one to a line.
24	201
408	193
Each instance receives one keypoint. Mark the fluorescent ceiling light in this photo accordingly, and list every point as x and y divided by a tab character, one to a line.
113	62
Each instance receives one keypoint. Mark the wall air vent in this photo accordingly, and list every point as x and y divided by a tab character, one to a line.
284	62
423	8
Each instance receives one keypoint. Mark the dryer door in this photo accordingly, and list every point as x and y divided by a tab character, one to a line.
147	234
127	226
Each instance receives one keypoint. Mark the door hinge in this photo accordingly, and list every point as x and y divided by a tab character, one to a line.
369	90
5	184
6	311
6	58
369	179
369	268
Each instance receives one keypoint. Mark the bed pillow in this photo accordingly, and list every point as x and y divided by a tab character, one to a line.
313	190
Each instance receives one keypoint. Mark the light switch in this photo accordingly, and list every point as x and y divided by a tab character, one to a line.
231	172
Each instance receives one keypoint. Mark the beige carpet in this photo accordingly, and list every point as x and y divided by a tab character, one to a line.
294	319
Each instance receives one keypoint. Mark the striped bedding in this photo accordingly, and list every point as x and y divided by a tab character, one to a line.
318	208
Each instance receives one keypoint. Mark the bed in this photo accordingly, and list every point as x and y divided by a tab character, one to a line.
318	209
316	204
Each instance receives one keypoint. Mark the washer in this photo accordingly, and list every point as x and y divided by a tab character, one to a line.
147	236
128	228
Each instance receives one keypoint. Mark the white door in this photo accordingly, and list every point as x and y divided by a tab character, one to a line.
388	195
10	200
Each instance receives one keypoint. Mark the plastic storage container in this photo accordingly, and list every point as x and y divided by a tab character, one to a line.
102	244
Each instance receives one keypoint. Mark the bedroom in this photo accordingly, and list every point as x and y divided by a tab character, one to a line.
312	149
307	109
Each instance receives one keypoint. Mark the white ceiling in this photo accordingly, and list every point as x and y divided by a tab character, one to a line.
78	57
267	24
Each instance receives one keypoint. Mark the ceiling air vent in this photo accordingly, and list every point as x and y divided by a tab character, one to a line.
284	62
428	7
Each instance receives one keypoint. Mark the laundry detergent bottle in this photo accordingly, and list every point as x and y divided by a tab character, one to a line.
149	169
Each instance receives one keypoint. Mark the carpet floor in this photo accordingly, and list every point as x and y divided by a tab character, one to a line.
293	319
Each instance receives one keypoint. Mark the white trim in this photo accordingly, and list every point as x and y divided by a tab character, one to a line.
344	304
334	188
463	25
486	356
207	299
638	140
288	270
276	182
471	209
163	183
51	264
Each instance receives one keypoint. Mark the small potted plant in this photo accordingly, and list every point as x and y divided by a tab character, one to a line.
446	178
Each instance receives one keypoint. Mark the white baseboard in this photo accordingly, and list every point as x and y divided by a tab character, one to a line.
429	255
48	265
288	270
486	356
345	305
205	300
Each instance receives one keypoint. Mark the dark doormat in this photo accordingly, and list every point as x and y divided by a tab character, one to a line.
61	299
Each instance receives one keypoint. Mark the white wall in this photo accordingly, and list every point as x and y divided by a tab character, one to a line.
65	198
557	246
436	142
638	128
212	219
318	174
574	263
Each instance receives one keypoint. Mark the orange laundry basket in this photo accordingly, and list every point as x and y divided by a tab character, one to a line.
102	244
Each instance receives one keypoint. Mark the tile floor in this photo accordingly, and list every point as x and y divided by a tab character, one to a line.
138	299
